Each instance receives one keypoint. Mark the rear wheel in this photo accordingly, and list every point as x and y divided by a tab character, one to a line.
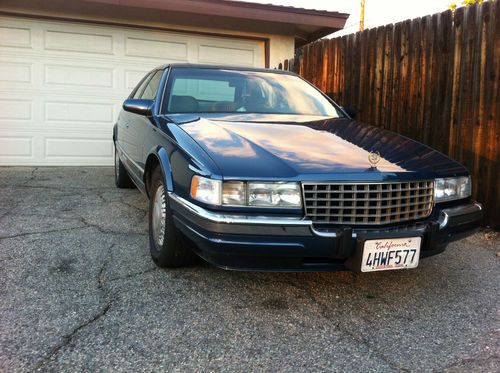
169	248
122	180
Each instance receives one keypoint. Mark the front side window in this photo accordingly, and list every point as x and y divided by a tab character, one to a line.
231	91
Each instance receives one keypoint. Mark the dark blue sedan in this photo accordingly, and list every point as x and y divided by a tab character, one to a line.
256	169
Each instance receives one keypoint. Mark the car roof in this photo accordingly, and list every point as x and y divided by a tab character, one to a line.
223	67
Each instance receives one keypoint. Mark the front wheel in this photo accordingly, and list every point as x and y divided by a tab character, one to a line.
168	246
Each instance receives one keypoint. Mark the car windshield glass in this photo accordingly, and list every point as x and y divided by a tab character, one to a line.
232	91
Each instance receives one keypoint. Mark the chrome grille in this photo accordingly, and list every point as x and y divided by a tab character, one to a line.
368	203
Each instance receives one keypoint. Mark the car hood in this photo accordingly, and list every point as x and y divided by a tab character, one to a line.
323	149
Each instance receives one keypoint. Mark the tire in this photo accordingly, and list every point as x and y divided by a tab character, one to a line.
168	247
122	180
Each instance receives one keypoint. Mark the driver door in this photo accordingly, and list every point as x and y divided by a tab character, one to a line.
127	136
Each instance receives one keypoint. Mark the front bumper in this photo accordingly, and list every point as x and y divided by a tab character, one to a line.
266	243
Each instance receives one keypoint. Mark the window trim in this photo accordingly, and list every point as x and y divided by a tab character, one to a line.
163	83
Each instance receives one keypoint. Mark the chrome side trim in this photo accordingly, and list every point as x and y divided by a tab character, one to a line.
462	210
239	219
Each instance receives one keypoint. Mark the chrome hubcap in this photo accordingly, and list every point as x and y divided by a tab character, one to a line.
159	215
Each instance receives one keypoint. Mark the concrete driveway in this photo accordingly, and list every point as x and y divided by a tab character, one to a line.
79	292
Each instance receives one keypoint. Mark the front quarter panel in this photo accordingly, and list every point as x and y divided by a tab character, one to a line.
179	156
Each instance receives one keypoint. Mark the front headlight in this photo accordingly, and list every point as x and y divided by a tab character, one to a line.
234	193
240	193
274	195
451	188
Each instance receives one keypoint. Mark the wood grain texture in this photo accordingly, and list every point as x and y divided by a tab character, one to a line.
434	79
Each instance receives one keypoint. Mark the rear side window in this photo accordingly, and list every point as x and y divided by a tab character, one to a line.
140	88
152	87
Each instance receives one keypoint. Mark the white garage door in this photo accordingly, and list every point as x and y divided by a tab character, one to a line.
62	83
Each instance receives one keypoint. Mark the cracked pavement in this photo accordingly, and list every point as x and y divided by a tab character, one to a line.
79	292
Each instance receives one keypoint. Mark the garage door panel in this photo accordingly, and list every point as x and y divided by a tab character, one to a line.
71	76
16	147
12	109
57	147
62	84
78	42
220	55
66	111
151	48
17	37
228	52
15	72
78	75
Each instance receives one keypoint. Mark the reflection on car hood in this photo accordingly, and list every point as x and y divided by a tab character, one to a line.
318	149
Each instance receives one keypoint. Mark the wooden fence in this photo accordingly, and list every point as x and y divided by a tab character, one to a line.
434	79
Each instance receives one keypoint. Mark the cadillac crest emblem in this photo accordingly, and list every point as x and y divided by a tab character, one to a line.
374	158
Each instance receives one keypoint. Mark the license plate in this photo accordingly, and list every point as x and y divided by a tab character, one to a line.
390	253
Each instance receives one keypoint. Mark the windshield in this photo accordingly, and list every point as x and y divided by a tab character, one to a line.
231	91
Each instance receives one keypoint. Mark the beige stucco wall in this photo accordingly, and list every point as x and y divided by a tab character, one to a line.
281	37
282	48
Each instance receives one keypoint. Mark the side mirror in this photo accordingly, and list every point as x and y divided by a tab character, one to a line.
352	113
138	106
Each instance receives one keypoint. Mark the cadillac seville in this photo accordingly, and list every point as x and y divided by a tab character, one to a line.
256	169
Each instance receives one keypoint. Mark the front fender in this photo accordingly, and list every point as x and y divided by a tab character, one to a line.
166	168
159	155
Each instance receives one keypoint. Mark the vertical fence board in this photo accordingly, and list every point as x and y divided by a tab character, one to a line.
387	79
370	92
396	78
413	73
436	104
467	125
435	79
493	114
429	83
379	71
481	143
402	121
458	22
423	80
447	74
